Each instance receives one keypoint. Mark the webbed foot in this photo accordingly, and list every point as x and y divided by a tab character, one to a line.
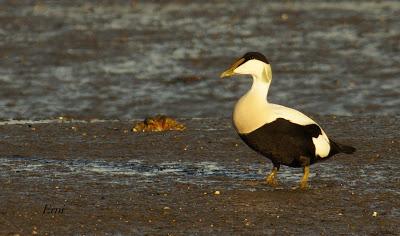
271	181
271	178
304	185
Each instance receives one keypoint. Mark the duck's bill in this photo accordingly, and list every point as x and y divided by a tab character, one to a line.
227	73
231	71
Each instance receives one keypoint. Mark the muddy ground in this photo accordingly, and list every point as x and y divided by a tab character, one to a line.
109	180
127	59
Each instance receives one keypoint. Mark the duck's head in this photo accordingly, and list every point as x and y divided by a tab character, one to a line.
252	63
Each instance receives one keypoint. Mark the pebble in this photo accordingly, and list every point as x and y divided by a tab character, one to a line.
34	231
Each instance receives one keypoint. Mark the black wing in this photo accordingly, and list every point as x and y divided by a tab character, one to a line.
283	141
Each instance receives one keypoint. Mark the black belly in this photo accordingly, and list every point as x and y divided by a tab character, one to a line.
285	142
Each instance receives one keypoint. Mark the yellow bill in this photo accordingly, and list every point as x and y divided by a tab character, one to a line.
231	70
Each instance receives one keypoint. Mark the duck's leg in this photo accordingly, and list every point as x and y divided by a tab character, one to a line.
304	179
271	178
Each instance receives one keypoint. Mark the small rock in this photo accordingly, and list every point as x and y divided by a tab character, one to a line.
217	192
158	123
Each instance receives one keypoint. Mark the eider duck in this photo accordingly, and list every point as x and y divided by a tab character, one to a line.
284	135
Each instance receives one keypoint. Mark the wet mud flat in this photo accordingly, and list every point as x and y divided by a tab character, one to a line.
97	178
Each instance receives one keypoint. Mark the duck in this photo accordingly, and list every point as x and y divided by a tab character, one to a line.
283	135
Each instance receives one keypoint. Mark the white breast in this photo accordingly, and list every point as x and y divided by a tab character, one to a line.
250	113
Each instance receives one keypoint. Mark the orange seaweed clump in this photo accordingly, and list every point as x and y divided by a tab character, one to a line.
158	123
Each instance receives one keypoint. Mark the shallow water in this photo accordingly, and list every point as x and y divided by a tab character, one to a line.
112	59
136	172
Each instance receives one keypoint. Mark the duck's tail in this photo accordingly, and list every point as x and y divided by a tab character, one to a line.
341	148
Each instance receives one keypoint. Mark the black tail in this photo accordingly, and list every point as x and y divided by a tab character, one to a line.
342	148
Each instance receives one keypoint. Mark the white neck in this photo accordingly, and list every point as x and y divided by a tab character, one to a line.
260	87
251	110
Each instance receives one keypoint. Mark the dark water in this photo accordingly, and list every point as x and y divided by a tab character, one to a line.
113	59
